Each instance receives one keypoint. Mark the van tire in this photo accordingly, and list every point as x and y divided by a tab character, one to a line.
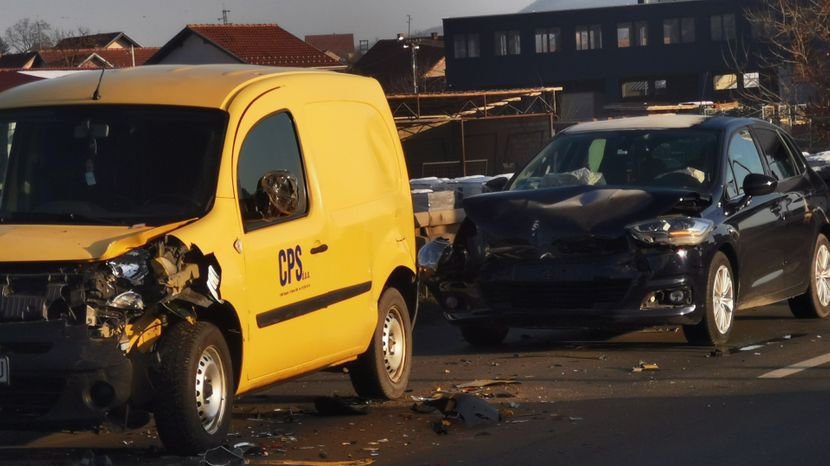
382	372
192	356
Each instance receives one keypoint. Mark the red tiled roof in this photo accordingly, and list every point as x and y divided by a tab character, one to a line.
263	44
12	78
96	41
341	44
118	58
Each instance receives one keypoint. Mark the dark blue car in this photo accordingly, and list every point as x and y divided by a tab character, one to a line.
659	220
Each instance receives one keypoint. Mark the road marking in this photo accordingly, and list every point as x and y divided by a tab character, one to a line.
796	368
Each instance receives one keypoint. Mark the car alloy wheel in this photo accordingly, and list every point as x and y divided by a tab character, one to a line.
822	276
723	300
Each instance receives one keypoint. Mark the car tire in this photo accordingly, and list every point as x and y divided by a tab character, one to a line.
382	372
484	335
719	309
194	371
815	303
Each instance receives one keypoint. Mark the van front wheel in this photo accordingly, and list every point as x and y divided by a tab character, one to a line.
193	388
383	370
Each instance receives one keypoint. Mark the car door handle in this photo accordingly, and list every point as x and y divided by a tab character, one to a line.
320	249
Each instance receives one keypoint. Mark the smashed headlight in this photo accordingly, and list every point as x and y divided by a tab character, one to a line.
431	255
673	231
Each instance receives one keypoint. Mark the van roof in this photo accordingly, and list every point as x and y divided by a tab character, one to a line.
210	86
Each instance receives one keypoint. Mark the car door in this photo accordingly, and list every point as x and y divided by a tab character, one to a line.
757	220
796	231
284	274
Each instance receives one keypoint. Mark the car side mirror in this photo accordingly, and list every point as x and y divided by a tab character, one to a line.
756	184
277	195
496	184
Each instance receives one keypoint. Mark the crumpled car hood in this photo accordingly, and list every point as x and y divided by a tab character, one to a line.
46	243
537	216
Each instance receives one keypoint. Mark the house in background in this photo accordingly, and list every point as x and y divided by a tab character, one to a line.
390	63
338	46
255	44
107	40
78	58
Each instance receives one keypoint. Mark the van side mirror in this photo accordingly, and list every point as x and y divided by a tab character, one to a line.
496	184
277	195
756	184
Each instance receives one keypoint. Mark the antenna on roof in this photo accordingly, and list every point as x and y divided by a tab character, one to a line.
97	94
225	20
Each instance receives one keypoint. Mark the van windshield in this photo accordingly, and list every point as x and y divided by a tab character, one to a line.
119	165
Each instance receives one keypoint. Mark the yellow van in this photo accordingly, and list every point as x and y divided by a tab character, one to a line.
171	237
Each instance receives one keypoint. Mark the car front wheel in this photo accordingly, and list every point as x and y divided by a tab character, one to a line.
719	309
193	388
815	303
383	370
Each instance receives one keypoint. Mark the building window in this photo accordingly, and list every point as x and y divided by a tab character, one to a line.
752	80
725	82
466	46
678	30
547	40
632	34
723	27
589	37
660	86
635	89
508	43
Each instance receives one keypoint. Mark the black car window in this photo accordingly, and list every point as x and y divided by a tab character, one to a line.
778	156
270	147
743	158
799	159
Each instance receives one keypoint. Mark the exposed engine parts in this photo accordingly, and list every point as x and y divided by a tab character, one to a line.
121	298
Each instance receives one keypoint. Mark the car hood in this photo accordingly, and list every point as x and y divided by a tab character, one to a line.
537	216
49	243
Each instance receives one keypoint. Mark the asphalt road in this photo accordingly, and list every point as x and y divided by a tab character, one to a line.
578	402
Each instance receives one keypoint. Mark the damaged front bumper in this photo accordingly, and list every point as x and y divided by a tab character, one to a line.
657	286
58	375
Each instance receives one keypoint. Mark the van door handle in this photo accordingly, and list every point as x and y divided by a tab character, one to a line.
319	249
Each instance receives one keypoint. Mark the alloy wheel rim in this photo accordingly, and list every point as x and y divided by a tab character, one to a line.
394	344
723	299
823	275
210	389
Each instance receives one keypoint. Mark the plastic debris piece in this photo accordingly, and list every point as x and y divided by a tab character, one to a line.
479	384
439	428
222	456
474	411
339	406
645	366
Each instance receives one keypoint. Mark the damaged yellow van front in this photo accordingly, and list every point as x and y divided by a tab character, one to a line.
173	237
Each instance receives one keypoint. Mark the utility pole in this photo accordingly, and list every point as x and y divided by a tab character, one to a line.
412	45
225	20
408	25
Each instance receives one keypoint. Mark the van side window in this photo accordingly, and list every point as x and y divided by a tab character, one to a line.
743	158
271	180
778	155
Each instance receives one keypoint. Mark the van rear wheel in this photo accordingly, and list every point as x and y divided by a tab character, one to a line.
193	388
383	370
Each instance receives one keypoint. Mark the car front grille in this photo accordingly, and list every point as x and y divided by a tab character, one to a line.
559	295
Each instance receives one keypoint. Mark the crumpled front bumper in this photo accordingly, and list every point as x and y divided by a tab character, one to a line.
59	376
591	291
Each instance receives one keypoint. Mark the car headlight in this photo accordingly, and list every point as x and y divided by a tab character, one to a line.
431	255
675	231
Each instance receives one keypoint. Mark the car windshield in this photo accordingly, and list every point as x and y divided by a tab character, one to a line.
119	165
680	159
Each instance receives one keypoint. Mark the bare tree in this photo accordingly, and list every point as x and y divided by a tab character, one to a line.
794	37
27	35
4	48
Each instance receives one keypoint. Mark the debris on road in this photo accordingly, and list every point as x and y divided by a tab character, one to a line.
470	409
645	366
273	462
223	456
476	385
340	406
751	347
